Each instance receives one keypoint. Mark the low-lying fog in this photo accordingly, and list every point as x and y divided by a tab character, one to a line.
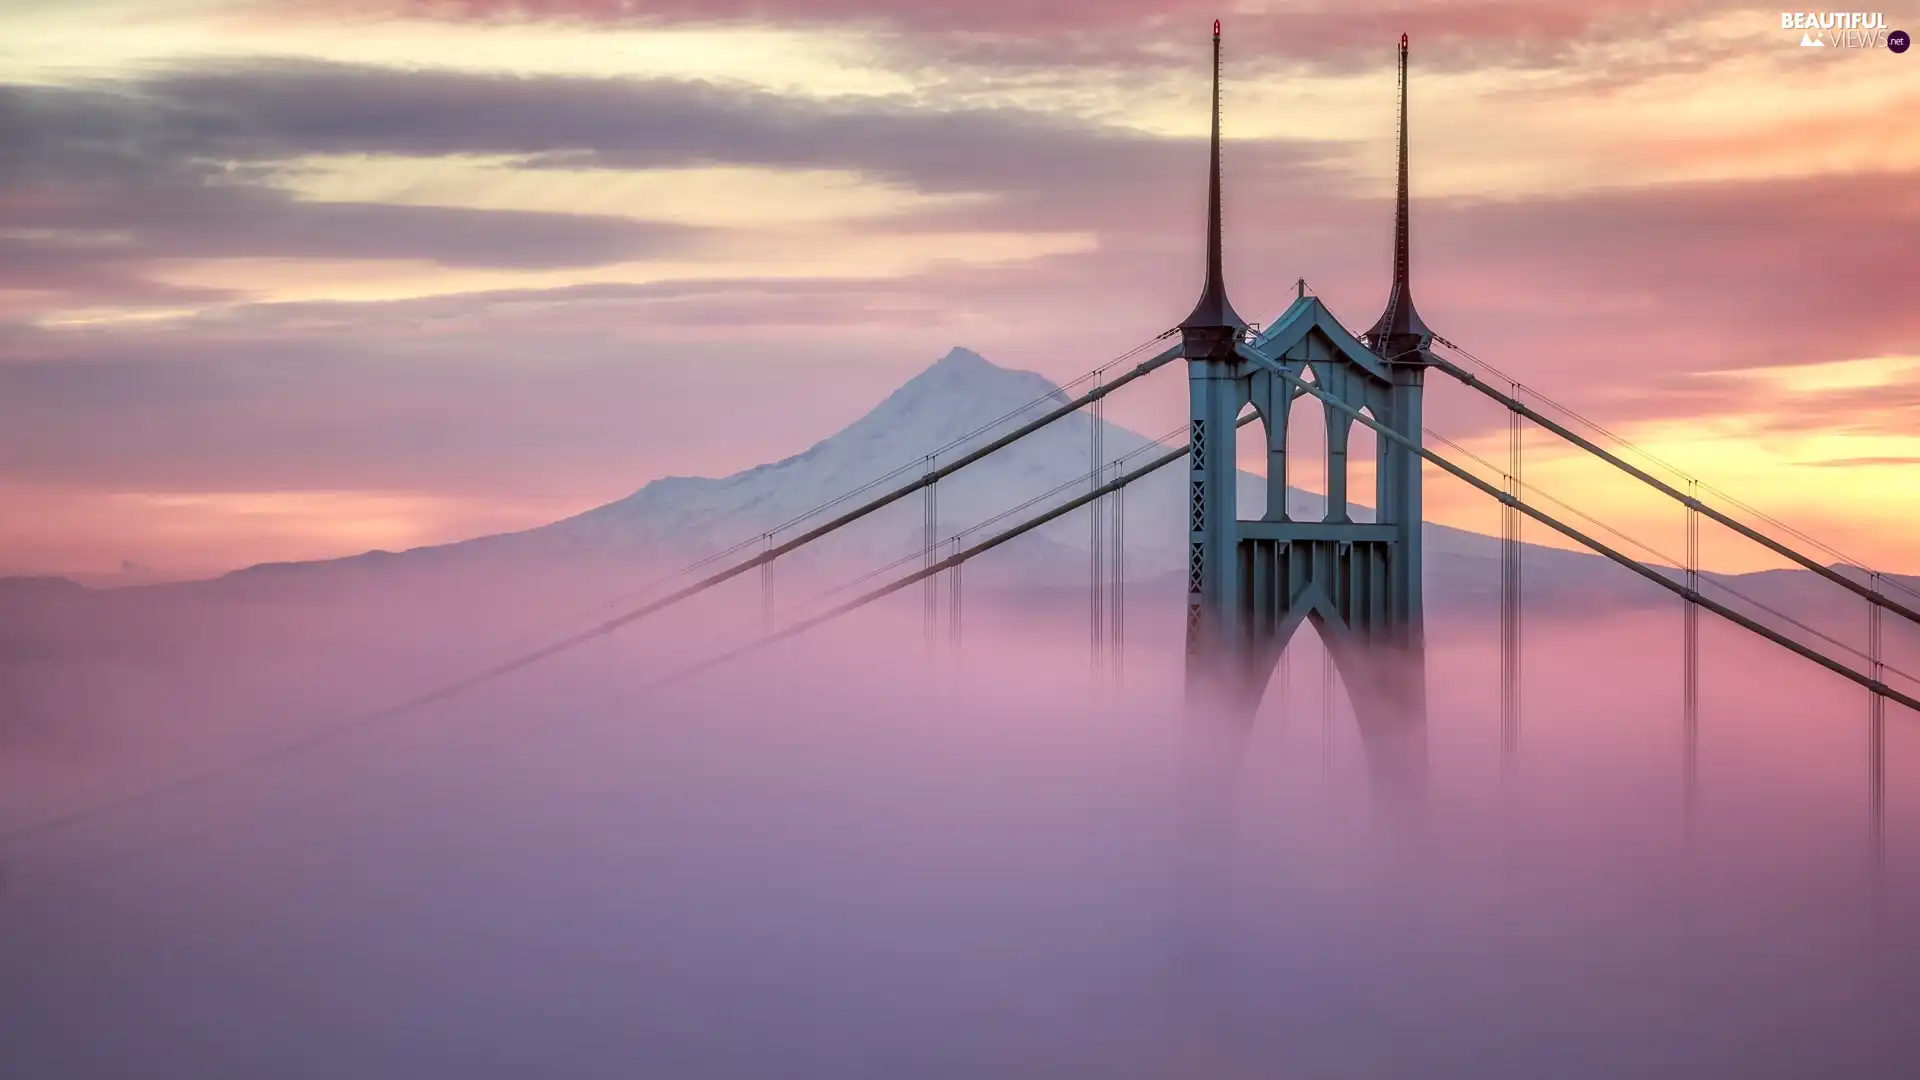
851	856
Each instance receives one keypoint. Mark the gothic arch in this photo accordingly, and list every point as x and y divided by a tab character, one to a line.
1366	449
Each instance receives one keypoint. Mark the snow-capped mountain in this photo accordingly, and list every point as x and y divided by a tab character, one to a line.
959	403
956	405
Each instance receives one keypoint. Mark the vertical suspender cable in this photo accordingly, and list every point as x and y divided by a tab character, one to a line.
930	538
766	591
1117	634
766	595
953	603
1690	675
1876	756
1096	582
1326	652
1506	607
1519	571
1510	600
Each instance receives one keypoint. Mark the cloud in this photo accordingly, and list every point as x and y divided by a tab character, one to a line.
107	182
254	113
1863	462
1630	305
1323	35
1616	300
1644	284
99	185
184	165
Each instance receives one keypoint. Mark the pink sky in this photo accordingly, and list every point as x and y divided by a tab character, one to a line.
288	281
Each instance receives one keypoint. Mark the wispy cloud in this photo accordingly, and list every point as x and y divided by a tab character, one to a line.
1322	34
1863	462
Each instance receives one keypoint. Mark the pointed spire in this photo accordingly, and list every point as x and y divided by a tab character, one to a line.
1400	202
1400	328
1213	319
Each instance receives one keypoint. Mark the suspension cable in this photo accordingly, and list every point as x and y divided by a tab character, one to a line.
1003	515
1676	471
905	469
312	740
1279	371
1871	595
981	548
1669	560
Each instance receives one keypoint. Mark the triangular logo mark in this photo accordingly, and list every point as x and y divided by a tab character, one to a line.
1808	41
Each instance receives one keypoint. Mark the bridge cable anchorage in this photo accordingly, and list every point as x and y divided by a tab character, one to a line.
1718	517
801	626
1589	542
1670	560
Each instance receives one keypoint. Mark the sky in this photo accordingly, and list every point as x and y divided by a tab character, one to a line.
288	281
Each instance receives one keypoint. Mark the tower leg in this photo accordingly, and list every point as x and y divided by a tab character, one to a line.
1224	687
1388	687
1213	755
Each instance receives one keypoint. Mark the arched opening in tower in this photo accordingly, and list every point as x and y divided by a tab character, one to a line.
1250	450
1305	723
1307	456
1363	469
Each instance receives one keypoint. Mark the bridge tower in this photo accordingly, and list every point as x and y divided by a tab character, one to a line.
1251	583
